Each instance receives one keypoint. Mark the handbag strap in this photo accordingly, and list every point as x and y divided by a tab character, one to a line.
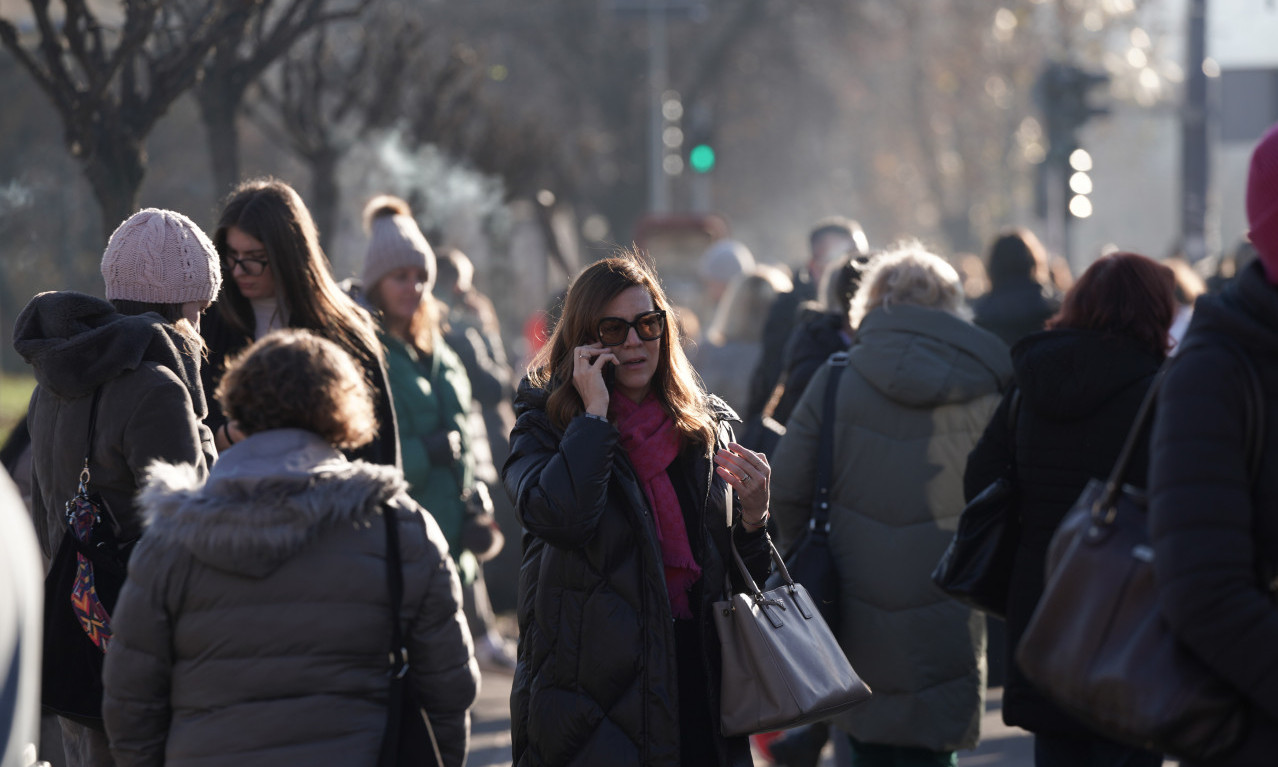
820	516
85	475
398	655
1254	416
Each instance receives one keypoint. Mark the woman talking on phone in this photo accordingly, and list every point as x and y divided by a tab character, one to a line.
621	469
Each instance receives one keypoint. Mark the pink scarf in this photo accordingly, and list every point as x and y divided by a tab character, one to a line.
649	438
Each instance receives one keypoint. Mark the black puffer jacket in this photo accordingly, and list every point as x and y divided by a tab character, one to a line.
1213	527
596	681
1080	391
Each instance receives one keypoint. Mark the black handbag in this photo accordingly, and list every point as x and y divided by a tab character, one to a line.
809	559
976	568
1097	643
80	592
409	738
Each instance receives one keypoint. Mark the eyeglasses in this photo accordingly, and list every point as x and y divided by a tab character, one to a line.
251	266
649	326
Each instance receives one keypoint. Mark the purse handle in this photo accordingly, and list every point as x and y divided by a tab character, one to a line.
1105	507
820	515
398	650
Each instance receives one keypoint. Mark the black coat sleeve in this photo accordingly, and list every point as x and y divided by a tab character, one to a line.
1202	527
559	483
994	455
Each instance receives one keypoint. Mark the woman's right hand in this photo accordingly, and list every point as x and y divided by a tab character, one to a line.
587	376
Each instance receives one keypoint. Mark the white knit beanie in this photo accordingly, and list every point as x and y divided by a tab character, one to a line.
394	241
160	257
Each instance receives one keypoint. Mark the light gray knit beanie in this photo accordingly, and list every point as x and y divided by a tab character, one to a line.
160	257
394	241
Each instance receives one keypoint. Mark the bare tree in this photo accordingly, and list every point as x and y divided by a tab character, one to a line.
267	33
346	81
112	81
342	81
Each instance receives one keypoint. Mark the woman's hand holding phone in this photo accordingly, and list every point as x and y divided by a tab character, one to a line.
592	374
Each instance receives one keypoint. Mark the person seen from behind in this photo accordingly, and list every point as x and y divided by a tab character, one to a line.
829	239
129	369
621	469
279	277
921	383
1080	384
254	626
1019	301
1212	520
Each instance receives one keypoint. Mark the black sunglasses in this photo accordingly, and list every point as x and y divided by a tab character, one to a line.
649	326
251	266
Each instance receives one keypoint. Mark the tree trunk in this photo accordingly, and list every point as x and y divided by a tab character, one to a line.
219	105
325	195
115	170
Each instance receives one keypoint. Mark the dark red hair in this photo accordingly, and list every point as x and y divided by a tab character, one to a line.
1126	294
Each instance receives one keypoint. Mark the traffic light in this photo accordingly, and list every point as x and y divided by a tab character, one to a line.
672	133
1080	183
701	158
1064	95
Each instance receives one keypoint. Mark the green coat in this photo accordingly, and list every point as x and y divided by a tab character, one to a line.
432	394
919	388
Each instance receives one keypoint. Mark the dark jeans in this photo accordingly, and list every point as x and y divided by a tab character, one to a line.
1061	751
877	755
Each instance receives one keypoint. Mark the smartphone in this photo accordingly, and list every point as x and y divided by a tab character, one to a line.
609	374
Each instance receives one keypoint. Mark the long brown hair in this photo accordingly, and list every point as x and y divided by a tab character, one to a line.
272	212
674	382
1126	294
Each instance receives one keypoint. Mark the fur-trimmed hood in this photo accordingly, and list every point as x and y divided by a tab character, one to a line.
266	498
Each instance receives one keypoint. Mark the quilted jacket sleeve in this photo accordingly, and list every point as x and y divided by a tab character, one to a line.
443	668
560	485
139	663
1201	522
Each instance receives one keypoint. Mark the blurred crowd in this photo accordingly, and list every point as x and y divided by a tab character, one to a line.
301	472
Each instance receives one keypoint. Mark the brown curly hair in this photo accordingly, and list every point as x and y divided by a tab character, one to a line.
297	379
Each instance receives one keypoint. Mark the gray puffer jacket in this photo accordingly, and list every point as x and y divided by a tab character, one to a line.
919	388
254	626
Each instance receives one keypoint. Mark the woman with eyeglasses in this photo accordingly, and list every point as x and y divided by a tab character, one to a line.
279	277
621	468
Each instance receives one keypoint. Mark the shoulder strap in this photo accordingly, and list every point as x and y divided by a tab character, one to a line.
398	650
820	518
88	446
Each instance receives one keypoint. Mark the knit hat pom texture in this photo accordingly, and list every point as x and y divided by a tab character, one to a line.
160	257
394	241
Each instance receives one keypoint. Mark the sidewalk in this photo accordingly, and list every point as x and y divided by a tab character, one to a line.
490	732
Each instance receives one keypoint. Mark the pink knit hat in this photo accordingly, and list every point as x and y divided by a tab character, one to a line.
1262	202
160	257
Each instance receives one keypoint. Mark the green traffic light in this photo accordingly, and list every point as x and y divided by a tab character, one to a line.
701	158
